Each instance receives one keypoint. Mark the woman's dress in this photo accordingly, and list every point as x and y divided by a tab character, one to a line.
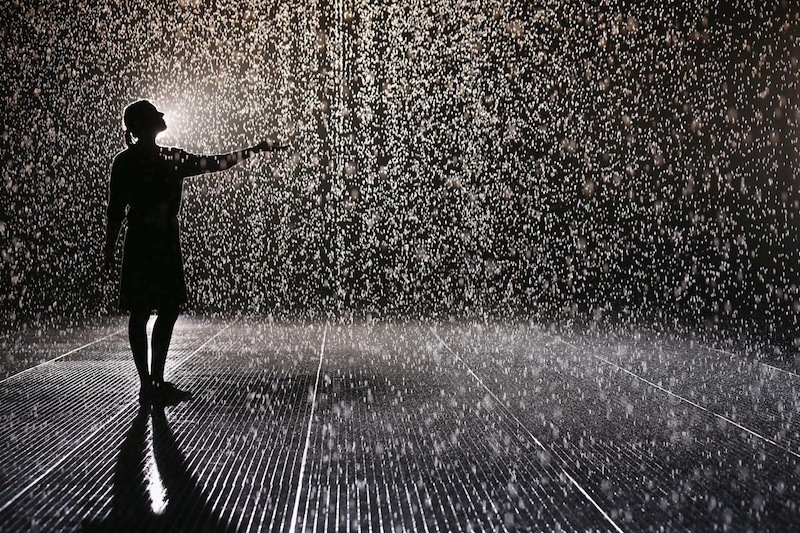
150	184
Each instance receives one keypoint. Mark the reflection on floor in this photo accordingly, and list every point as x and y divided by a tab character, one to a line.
397	427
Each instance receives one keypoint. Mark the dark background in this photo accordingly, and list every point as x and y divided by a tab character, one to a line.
606	162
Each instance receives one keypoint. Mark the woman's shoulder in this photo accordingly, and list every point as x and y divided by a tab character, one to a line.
121	158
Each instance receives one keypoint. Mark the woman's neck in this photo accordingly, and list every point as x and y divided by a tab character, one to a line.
147	142
147	146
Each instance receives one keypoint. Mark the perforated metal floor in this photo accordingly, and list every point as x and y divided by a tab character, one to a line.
397	427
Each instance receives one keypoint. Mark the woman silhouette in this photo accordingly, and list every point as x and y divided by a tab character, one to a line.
148	180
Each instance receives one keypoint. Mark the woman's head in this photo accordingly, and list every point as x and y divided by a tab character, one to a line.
142	120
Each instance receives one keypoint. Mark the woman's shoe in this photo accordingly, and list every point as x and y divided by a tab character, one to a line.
147	394
169	394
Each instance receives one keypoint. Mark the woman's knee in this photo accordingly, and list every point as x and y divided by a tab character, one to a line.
139	316
168	313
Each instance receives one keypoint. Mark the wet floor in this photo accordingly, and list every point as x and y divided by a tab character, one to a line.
423	427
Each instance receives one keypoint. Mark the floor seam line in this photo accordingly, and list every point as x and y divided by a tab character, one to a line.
530	433
60	356
687	400
293	522
779	369
80	444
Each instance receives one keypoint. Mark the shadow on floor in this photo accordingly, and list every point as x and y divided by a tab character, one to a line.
152	488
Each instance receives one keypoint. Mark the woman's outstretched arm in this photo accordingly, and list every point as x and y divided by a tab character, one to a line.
194	165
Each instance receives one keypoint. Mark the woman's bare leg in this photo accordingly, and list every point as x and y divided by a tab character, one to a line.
162	333
137	334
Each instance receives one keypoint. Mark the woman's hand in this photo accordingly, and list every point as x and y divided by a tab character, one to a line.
270	145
